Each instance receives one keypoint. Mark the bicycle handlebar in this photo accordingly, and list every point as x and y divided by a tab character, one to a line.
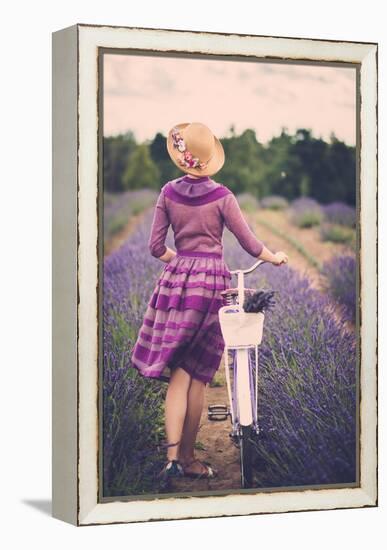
249	270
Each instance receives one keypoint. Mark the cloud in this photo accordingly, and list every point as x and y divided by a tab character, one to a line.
161	81
261	91
294	72
345	104
213	68
275	93
149	93
123	78
243	75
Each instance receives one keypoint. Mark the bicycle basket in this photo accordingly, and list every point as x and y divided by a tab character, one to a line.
240	328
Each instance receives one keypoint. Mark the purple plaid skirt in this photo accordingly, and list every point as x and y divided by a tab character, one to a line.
181	326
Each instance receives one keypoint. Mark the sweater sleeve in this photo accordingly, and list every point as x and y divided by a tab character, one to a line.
159	228
237	224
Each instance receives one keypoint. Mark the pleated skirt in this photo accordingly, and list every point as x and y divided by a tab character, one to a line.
181	326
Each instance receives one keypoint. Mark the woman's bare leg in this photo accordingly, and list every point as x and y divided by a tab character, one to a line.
192	422
176	408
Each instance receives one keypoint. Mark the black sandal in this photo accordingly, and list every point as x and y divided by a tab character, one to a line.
172	468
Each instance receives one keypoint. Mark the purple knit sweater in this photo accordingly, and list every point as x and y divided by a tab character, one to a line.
197	209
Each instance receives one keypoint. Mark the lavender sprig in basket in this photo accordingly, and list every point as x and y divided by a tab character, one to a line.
259	301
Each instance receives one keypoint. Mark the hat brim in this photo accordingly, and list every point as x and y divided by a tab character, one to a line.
214	165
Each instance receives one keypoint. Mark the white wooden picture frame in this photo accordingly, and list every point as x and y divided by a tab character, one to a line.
76	245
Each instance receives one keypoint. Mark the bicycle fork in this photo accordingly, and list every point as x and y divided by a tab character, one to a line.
243	390
243	397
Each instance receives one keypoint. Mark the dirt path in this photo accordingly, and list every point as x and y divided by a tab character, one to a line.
307	237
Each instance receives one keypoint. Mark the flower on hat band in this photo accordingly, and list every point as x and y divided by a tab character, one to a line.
186	159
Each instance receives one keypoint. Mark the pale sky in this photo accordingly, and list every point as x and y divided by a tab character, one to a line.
147	94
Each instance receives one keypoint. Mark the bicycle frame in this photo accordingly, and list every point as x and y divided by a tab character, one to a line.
244	396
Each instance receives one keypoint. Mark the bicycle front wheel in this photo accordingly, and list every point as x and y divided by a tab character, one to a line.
246	450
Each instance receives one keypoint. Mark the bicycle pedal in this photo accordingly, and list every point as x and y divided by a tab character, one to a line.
220	408
218	412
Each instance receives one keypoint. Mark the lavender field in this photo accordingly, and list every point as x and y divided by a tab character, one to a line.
307	379
132	405
119	207
307	384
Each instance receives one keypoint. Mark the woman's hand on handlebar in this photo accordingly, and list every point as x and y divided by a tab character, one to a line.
276	259
280	258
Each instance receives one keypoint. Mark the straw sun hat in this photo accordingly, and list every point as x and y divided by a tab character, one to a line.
195	149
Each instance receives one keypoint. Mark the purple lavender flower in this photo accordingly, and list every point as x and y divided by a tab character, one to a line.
132	405
340	213
119	207
274	202
305	212
307	384
340	281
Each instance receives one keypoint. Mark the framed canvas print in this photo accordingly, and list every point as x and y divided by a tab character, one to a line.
214	274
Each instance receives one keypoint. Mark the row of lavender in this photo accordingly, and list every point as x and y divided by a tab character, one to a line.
308	379
132	405
335	219
322	392
336	222
306	211
119	207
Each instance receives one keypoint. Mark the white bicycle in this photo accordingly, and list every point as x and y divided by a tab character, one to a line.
242	333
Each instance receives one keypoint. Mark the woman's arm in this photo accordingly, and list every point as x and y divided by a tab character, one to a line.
159	232
237	224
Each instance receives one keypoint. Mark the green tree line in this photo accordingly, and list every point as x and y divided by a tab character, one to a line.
288	165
